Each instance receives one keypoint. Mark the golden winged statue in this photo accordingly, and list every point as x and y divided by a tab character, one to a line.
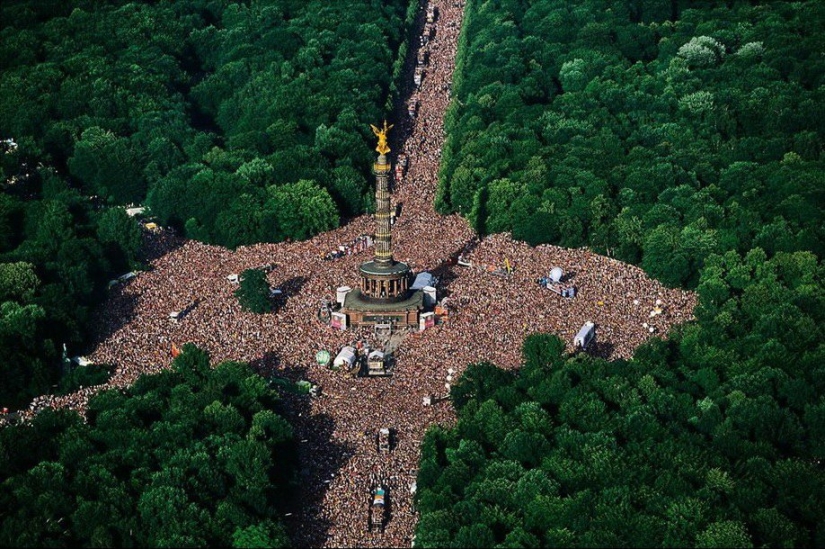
382	147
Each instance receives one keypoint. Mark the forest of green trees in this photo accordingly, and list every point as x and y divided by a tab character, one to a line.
235	122
193	456
685	137
656	132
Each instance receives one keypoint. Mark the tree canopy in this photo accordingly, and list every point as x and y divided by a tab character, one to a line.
191	457
62	252
213	113
657	134
253	291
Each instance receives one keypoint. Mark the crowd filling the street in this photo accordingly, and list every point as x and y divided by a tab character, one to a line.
492	302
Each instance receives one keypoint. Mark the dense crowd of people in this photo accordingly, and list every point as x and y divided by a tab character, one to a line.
361	243
488	316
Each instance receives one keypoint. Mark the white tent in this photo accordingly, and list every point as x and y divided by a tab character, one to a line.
346	358
422	280
375	355
341	294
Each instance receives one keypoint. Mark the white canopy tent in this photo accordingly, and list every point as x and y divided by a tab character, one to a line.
422	280
346	358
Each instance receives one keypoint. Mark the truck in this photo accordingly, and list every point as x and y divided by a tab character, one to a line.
564	290
418	76
378	509
585	337
377	364
382	440
422	56
432	13
553	282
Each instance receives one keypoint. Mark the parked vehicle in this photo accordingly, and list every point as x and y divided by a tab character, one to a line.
377	364
553	282
432	13
585	337
422	57
382	439
378	509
